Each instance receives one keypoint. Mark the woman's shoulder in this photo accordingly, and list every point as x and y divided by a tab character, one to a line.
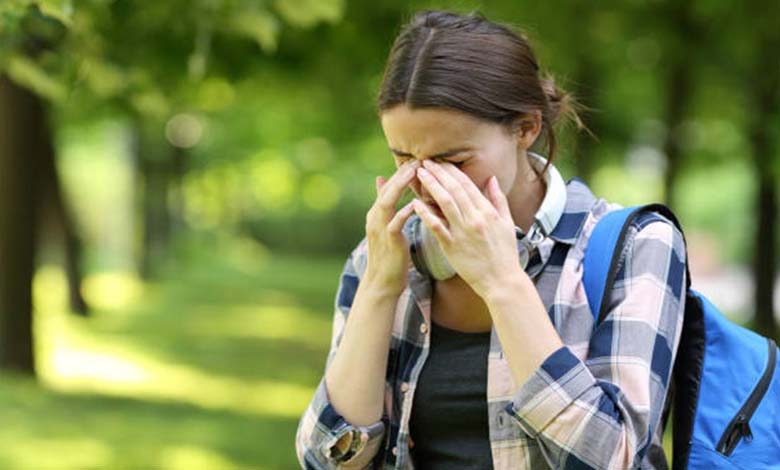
597	207
650	234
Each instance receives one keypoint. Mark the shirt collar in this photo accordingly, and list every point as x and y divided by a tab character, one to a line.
579	202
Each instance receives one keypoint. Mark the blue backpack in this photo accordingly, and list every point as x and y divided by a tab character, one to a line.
726	380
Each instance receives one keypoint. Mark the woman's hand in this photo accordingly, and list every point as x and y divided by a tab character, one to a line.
478	236
388	251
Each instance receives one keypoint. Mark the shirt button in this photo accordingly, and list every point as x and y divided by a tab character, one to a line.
404	387
395	450
423	328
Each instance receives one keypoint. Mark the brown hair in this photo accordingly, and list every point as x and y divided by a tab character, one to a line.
471	64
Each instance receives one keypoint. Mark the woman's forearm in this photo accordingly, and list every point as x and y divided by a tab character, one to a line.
523	326
355	378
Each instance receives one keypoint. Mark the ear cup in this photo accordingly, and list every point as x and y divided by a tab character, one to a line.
522	248
427	254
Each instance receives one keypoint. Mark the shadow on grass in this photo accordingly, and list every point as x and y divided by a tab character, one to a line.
264	322
269	321
130	433
231	341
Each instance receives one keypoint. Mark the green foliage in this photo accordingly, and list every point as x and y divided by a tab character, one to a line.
307	13
131	52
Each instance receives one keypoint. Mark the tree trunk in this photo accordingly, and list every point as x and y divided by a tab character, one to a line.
53	199
22	127
679	86
766	105
152	198
677	96
765	254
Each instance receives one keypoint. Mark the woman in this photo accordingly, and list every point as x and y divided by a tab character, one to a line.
498	366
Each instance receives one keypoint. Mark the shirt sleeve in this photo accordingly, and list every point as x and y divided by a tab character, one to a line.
602	412
324	439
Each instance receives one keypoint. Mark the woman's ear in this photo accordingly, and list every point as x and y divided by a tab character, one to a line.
528	127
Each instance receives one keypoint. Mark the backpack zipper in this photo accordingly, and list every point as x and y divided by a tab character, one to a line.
739	426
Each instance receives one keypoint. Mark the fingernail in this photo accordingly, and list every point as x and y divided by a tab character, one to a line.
422	172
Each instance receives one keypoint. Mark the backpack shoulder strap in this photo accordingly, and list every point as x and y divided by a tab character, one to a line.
606	238
603	250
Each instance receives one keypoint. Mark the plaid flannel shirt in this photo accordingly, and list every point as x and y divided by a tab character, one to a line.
596	402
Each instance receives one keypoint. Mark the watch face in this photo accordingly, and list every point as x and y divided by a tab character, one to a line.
522	249
524	257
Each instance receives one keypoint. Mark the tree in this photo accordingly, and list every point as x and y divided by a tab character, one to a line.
45	47
22	129
26	166
764	98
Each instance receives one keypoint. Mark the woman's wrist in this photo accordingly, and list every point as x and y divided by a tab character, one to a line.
380	286
504	288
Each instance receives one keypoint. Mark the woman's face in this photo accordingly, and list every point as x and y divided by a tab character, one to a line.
478	148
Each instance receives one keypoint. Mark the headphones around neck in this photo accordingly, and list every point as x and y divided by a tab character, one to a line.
429	258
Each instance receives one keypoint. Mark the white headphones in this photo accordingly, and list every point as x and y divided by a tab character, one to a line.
429	258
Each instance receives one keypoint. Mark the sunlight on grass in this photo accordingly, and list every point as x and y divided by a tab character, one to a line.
73	358
62	452
272	321
188	385
111	291
210	366
667	440
49	289
69	364
193	458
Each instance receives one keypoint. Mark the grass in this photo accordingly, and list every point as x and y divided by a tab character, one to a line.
209	368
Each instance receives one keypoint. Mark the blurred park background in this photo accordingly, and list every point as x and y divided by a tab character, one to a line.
181	181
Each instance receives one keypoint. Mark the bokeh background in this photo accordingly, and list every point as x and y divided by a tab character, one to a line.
182	180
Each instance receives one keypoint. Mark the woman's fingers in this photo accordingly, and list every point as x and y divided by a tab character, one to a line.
391	190
497	198
475	195
380	181
443	197
434	223
443	172
397	222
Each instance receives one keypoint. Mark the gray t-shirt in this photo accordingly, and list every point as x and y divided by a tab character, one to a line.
449	421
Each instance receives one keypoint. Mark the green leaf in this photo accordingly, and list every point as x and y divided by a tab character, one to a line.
29	74
103	78
151	103
258	25
11	13
61	10
307	13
